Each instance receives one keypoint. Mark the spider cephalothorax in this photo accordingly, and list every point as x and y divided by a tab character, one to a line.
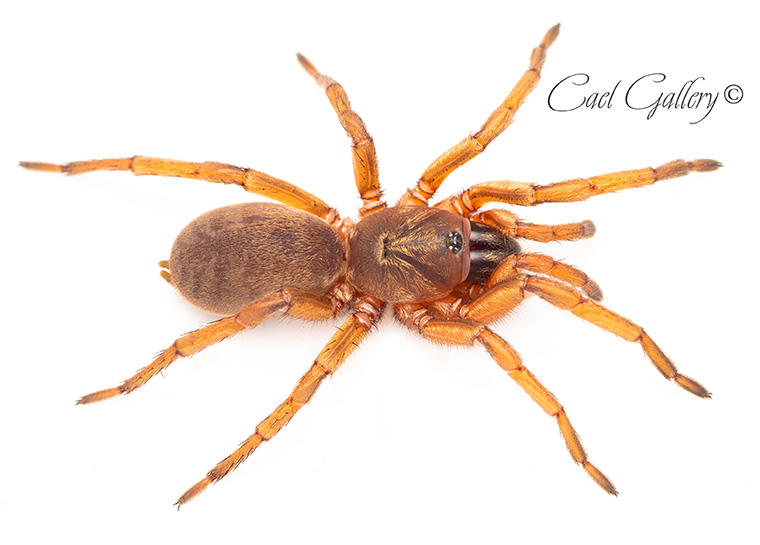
408	253
448	269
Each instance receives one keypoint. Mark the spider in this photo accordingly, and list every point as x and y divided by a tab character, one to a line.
448	270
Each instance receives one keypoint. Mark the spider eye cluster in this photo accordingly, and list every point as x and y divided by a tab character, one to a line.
454	241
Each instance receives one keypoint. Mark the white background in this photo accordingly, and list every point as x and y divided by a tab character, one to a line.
409	442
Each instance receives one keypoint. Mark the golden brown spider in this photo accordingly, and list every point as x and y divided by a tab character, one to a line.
448	269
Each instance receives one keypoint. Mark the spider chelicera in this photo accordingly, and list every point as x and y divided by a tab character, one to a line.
448	269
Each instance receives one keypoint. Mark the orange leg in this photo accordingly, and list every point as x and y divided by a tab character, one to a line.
364	155
474	144
567	298
294	302
543	264
504	291
510	224
249	179
578	189
469	332
497	300
345	340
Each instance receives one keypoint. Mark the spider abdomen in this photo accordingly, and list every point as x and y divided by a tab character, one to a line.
228	257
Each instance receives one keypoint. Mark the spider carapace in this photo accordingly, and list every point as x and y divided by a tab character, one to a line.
448	269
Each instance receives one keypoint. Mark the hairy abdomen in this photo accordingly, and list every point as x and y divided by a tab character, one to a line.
229	257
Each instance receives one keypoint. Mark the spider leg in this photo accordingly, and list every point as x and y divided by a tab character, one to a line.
544	264
495	301
297	303
362	145
511	225
568	298
345	340
474	144
471	332
578	189
503	292
209	171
